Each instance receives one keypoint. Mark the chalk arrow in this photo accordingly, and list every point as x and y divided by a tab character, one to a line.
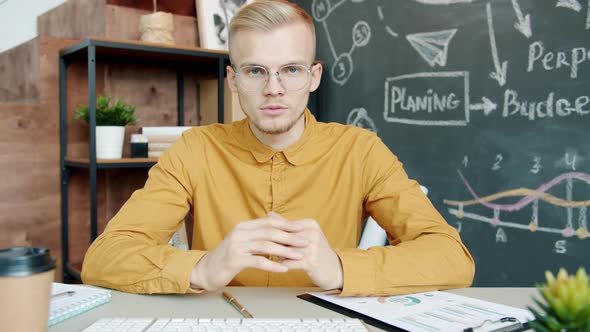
486	105
524	22
500	73
571	4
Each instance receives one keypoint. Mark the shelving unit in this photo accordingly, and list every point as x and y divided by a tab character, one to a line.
91	51
210	63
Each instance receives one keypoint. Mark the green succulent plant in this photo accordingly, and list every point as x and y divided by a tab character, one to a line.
107	113
566	305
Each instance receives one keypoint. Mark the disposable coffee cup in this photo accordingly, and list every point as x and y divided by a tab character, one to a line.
26	275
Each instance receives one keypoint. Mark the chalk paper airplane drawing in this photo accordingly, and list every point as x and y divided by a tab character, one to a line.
432	46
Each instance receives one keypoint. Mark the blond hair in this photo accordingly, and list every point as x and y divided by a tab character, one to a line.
265	15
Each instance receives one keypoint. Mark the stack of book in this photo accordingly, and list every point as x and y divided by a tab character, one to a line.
161	138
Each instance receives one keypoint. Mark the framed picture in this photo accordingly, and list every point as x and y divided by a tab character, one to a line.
213	18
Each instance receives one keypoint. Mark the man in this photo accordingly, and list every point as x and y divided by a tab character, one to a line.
278	199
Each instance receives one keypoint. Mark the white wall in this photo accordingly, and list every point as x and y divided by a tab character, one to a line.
18	20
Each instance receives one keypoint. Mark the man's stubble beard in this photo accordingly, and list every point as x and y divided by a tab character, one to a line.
275	131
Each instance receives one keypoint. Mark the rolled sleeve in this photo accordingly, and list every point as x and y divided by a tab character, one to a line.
178	269
359	271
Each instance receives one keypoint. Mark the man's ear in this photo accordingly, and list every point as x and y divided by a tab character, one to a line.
316	76
231	78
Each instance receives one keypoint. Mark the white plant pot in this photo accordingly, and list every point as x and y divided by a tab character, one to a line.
109	142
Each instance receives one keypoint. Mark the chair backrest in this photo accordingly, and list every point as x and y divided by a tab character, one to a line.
180	238
373	235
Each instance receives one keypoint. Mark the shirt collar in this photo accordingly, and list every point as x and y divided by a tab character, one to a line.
295	153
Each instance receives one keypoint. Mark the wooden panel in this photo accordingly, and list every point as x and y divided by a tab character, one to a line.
122	183
208	103
123	23
114	161
77	84
79	212
153	92
48	141
186	31
49	48
29	144
29	199
77	94
115	186
30	215
19	73
74	19
84	18
49	67
191	100
177	7
77	135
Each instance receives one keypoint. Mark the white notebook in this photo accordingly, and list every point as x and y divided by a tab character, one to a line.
64	305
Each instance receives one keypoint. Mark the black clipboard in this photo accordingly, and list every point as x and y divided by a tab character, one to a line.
350	313
370	320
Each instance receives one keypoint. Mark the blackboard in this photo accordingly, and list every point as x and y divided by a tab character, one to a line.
487	104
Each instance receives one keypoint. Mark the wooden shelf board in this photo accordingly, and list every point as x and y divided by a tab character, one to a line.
112	163
142	51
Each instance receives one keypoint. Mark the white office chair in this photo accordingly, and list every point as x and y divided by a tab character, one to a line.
180	238
373	235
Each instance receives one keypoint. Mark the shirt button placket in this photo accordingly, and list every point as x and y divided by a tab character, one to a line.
277	168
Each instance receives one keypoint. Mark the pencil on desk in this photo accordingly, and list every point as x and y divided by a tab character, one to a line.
63	294
232	300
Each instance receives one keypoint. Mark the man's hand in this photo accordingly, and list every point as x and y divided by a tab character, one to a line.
319	261
243	248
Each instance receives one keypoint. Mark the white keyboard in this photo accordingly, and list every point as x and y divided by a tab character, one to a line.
226	324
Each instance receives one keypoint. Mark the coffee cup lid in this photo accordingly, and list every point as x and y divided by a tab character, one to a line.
24	261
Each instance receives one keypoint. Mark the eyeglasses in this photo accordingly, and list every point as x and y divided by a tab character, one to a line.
254	78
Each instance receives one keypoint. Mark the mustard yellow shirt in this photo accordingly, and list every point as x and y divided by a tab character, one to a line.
335	174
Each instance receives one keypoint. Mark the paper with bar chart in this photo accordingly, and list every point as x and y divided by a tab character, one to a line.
430	311
574	218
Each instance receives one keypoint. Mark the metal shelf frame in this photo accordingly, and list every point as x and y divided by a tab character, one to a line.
118	51
95	49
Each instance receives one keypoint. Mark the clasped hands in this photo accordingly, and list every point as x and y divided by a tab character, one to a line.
300	245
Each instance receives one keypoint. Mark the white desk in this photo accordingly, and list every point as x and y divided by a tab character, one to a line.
261	302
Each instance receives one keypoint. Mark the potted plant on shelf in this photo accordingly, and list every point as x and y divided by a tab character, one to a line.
111	119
